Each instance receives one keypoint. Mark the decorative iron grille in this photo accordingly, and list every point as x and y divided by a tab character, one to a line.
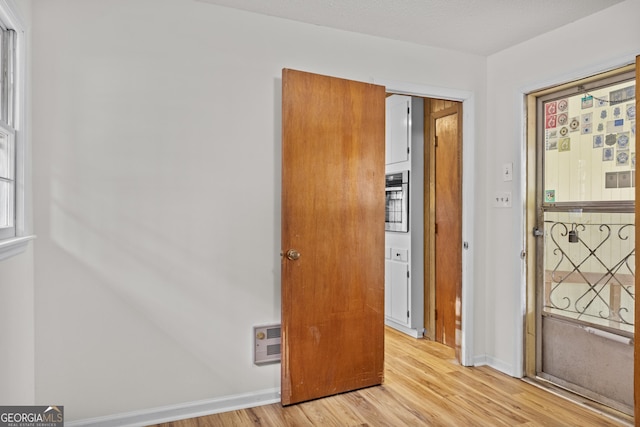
590	272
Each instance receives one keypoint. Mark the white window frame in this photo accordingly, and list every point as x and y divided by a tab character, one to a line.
16	244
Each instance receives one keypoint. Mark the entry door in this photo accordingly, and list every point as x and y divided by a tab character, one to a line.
333	178
586	238
448	228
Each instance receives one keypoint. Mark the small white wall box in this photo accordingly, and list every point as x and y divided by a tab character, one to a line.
266	344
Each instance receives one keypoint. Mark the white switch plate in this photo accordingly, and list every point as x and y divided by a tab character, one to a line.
507	171
502	199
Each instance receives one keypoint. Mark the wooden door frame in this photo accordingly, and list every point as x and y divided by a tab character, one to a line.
468	186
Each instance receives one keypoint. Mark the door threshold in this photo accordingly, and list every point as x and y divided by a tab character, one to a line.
585	402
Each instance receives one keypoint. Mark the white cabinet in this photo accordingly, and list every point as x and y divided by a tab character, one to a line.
397	287
404	262
387	281
398	128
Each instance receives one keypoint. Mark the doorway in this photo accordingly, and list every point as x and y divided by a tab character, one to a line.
466	101
580	328
423	266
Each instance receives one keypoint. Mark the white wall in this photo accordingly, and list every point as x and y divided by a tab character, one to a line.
594	44
17	386
157	185
17	330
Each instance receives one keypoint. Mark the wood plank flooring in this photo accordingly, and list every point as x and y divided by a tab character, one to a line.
423	386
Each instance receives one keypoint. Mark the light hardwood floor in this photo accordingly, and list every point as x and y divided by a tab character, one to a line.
423	386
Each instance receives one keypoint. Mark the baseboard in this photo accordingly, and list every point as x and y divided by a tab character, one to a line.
498	365
480	360
182	411
411	332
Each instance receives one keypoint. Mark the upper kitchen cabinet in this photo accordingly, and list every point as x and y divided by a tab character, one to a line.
398	128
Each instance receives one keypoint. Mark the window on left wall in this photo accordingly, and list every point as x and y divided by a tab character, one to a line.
7	135
14	230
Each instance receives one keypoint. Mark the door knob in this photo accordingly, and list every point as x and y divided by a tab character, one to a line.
293	255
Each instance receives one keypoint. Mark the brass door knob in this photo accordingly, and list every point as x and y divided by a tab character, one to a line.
293	255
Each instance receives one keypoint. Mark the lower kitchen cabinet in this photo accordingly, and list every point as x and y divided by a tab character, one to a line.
397	292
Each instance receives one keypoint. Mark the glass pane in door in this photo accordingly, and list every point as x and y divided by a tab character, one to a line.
589	145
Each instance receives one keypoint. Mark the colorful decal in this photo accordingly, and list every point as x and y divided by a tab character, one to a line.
615	126
622	158
622	95
598	141
563	105
550	122
562	119
550	196
622	139
607	154
574	124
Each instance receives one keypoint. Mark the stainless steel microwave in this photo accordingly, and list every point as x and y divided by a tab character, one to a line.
397	202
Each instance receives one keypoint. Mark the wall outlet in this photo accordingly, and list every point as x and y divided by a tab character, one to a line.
502	199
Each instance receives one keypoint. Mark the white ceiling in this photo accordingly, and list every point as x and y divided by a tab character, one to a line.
475	26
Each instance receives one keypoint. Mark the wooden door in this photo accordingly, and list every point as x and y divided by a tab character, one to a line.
448	220
333	178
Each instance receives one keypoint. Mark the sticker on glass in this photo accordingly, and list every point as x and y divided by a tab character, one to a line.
598	141
607	154
550	196
622	158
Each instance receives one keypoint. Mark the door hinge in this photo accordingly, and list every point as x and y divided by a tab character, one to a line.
408	314
436	313
407	274
435	228
408	150
436	141
537	232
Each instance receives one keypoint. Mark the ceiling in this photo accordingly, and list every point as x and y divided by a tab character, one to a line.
481	27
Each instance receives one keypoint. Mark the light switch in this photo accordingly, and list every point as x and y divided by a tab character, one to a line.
507	171
502	199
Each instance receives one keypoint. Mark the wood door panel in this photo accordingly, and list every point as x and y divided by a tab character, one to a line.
333	214
448	239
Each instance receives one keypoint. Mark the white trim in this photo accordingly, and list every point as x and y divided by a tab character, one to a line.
14	246
468	183
499	365
480	360
404	329
183	411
